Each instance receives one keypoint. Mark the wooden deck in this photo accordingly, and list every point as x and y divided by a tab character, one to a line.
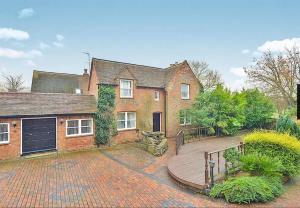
188	166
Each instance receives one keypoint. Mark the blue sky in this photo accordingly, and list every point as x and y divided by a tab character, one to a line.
51	35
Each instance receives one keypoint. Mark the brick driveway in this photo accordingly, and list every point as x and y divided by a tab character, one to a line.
85	179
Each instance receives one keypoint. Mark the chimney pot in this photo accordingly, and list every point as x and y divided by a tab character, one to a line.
85	71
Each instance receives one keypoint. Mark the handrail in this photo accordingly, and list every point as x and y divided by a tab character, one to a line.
179	140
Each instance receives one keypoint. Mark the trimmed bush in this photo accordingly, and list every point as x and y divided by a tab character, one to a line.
282	147
246	189
261	165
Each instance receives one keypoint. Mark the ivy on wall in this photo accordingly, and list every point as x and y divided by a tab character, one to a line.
104	118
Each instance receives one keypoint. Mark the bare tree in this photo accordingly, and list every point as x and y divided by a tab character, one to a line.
277	74
13	83
208	77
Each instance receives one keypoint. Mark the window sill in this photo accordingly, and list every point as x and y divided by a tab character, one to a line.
121	130
126	97
185	98
4	143
79	135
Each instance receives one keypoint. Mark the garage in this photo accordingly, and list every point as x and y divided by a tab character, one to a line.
38	135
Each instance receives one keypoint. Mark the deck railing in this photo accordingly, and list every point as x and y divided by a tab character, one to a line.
220	162
179	140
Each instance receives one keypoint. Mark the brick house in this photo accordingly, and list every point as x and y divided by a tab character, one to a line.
58	113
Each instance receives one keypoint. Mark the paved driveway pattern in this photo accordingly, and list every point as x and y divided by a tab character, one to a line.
85	179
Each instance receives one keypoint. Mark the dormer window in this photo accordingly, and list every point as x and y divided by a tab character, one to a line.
126	88
185	91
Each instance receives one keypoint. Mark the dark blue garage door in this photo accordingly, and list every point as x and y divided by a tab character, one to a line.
38	135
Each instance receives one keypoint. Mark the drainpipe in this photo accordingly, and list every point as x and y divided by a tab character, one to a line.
165	106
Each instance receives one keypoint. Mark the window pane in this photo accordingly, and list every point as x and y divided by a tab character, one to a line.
182	120
72	131
125	84
184	91
86	123
3	128
121	125
73	123
121	117
130	124
86	130
125	92
4	137
130	116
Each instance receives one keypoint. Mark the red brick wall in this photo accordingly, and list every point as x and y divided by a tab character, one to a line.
183	75
144	105
72	143
64	143
11	150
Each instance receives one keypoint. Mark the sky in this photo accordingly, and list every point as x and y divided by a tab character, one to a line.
228	35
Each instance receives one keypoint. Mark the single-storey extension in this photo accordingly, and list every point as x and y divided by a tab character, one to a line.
36	122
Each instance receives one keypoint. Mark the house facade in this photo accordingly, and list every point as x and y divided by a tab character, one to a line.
58	113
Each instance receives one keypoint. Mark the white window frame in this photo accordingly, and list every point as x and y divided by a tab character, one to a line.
156	92
188	94
8	132
79	127
131	89
187	121
126	119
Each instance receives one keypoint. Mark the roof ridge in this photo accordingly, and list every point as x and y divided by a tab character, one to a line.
61	73
41	93
119	62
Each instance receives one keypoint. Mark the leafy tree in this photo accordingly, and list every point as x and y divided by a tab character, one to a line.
218	108
258	109
105	121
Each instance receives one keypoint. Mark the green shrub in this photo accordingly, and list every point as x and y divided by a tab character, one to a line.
283	147
286	125
232	155
247	189
261	165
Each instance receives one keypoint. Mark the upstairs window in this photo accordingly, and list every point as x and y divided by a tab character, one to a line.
126	120
185	91
185	118
4	133
156	95
126	88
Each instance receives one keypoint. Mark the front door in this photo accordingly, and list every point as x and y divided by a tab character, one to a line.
156	122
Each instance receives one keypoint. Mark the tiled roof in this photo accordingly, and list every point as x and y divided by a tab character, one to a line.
52	82
146	76
38	104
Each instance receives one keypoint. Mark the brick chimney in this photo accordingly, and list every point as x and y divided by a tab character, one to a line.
85	72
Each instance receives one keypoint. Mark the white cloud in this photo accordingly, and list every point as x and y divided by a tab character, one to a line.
60	37
27	12
43	46
9	33
237	85
279	45
58	45
30	63
245	51
237	71
11	53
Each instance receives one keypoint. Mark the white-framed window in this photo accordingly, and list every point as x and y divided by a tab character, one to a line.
185	91
126	88
185	118
126	120
4	133
78	127
156	95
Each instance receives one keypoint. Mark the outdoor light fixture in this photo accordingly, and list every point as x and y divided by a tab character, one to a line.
211	165
14	123
61	121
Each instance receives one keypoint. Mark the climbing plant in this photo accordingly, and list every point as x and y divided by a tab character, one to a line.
104	118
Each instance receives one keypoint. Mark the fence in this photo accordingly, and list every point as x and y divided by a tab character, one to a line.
221	164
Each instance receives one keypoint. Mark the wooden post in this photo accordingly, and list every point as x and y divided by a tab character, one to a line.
206	167
182	138
242	148
218	162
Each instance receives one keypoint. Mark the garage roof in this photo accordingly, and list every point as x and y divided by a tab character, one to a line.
40	104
